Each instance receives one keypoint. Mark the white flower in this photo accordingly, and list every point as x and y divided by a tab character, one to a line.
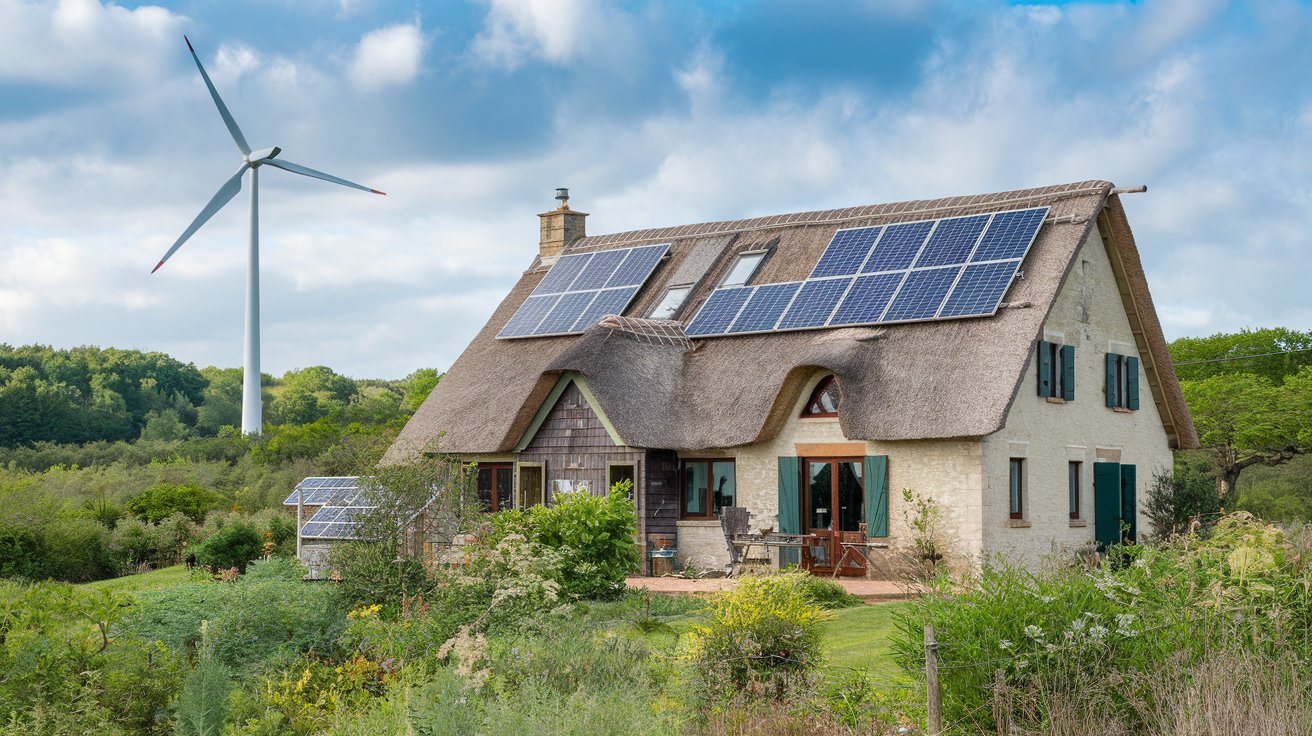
1033	632
1098	632
1047	598
1005	644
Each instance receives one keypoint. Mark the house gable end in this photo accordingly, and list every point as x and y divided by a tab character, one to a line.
570	415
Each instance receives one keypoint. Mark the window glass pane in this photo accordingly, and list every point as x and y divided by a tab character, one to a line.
694	489
530	484
671	302
851	497
1073	481
820	495
621	473
723	483
742	270
1015	486
485	488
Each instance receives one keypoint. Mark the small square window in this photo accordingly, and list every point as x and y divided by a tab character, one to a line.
672	301
708	486
744	267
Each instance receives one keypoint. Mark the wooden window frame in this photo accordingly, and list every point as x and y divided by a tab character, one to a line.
813	401
494	467
710	514
610	466
1074	481
1016	488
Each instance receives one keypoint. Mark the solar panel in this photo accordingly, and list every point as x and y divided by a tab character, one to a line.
719	311
933	269
581	288
341	500
814	303
764	307
321	491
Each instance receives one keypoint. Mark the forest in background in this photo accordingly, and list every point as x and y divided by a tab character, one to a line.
115	460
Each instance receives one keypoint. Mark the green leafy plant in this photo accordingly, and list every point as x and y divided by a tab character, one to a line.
157	502
235	545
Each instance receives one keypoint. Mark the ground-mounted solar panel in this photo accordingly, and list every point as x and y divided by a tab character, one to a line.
582	288
948	268
325	491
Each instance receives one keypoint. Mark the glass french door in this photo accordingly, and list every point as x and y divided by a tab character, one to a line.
496	486
834	509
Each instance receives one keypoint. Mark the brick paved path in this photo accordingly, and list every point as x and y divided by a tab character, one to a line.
869	590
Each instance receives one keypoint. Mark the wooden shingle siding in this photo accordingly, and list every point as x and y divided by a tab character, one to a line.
661	500
572	444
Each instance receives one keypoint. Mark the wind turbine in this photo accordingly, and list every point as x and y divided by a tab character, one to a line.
251	410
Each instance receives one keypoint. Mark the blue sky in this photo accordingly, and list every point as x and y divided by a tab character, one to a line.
470	112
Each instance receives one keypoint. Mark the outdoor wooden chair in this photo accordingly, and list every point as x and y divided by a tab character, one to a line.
734	520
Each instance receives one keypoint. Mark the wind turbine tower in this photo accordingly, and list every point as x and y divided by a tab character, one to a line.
251	409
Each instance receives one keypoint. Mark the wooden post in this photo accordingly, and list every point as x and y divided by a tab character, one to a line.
934	709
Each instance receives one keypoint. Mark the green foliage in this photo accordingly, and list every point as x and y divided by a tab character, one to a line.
1245	587
593	534
264	615
235	545
1180	497
1228	346
418	386
159	501
76	550
371	572
765	633
828	594
203	702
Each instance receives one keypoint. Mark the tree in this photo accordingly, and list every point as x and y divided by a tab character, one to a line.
1293	352
1245	419
162	500
1177	497
418	386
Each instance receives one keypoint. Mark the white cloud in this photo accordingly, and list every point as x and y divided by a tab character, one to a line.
388	56
557	31
84	43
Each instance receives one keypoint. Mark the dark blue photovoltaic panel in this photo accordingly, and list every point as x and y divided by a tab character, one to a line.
952	241
638	265
898	247
562	274
610	301
599	270
1010	235
313	530
980	289
846	252
321	491
566	312
530	314
867	299
718	312
580	288
764	307
921	294
814	303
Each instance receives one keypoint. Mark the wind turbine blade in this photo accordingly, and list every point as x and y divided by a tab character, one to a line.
223	109
286	165
225	194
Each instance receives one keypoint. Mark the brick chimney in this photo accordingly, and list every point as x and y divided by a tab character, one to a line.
560	227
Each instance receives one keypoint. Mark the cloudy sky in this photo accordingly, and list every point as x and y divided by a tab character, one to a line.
657	112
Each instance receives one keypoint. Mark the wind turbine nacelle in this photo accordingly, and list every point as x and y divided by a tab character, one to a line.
254	158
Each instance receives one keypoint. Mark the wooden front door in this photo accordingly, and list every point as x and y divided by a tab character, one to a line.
496	484
833	510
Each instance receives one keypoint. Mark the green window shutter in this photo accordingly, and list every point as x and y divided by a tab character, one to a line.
1068	372
1111	380
1129	509
1132	383
876	472
1107	503
1045	369
790	507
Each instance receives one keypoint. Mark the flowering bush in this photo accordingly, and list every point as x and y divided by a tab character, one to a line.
762	632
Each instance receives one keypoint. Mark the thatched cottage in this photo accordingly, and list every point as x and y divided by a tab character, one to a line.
997	353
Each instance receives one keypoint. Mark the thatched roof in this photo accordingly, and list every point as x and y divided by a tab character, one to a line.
922	380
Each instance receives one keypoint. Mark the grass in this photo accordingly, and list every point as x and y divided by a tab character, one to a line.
160	578
859	638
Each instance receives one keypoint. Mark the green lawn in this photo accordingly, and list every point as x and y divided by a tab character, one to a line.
160	578
858	638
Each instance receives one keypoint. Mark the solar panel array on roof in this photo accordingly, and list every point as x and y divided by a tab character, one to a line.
333	522
582	288
908	272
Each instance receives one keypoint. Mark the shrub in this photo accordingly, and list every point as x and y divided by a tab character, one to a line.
371	572
235	545
502	587
77	550
157	502
763	633
593	534
1177	497
828	594
134	542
